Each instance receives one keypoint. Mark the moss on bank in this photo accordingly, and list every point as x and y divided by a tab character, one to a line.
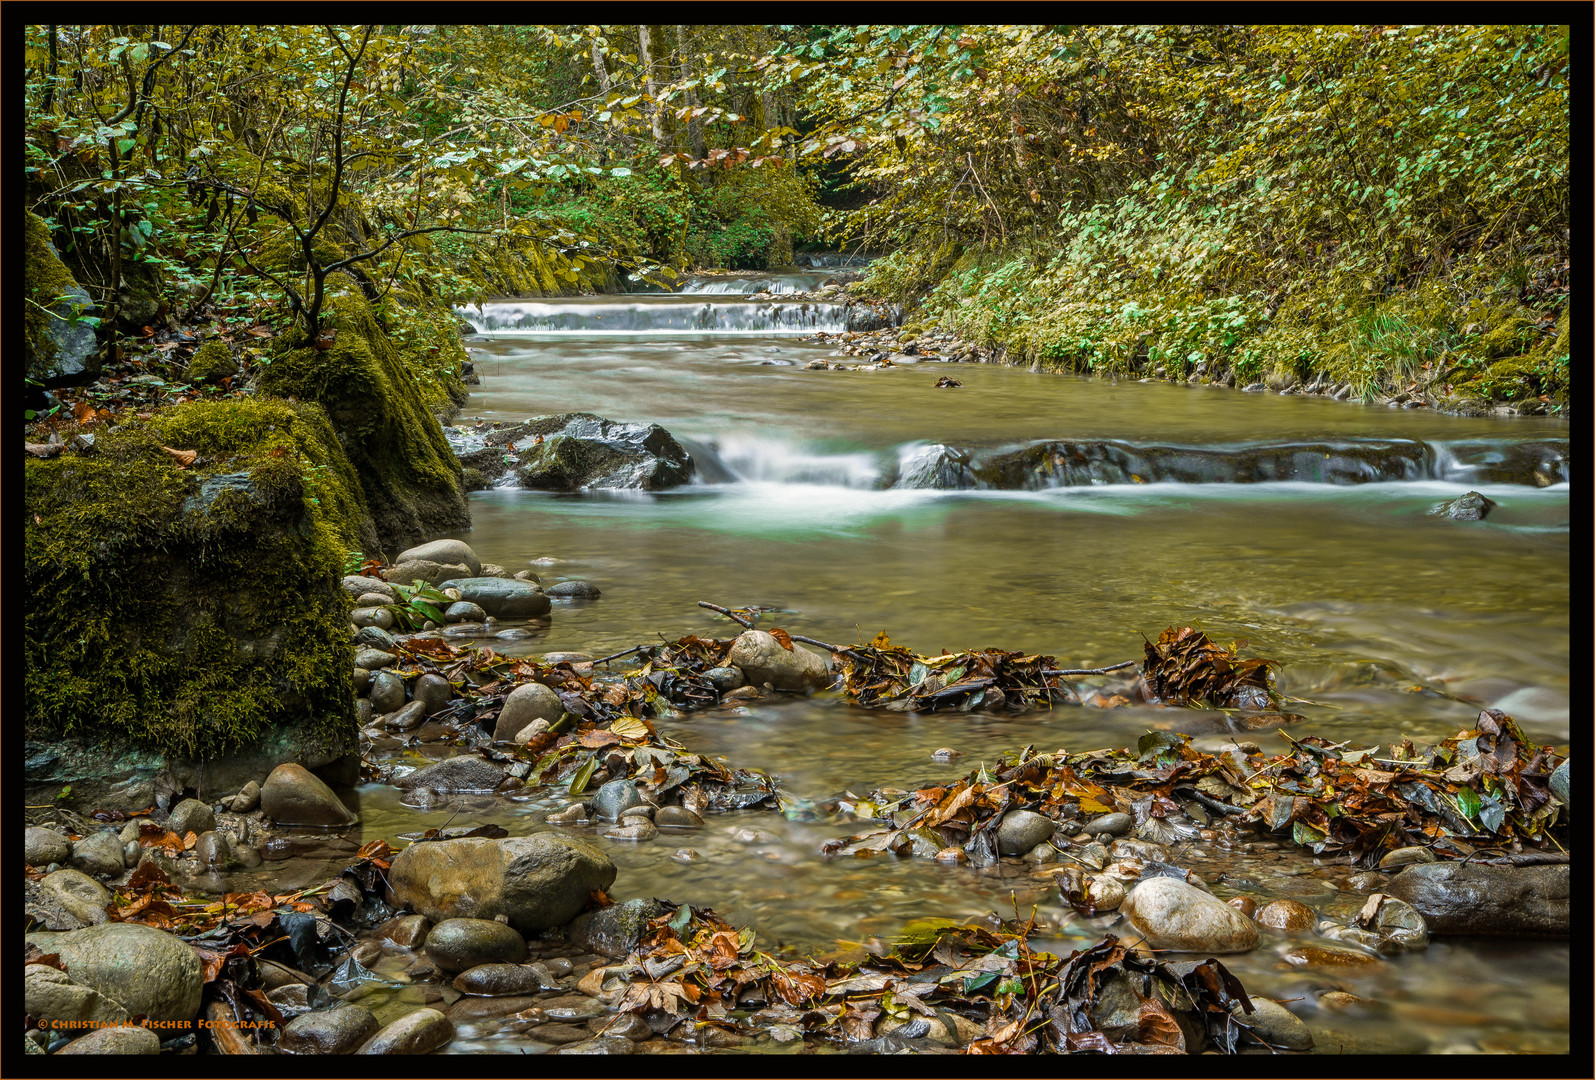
48	283
1481	341
193	611
409	477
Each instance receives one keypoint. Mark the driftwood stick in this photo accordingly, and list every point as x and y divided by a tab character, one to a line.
1095	670
824	645
622	652
727	612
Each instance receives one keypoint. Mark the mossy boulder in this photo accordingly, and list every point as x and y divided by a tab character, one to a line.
211	362
59	345
409	478
189	617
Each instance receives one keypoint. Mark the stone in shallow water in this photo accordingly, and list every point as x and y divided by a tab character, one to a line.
460	944
615	798
191	816
501	980
1288	915
1110	825
1276	1024
338	1030
443	551
1171	914
293	795
387	691
100	854
538	881
1021	830
503	598
531	701
575	589
465	772
420	1032
1457	898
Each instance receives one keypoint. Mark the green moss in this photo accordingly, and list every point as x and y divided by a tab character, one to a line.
194	612
409	477
48	280
211	362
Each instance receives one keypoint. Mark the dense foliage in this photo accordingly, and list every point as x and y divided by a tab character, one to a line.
1376	203
1364	200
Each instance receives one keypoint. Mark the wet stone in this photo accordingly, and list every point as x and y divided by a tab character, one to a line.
247	799
1313	956
374	599
339	1030
420	1032
1276	1024
1289	915
191	816
531	701
411	716
215	849
687	856
408	931
474	1010
500	980
1109	825
615	798
633	828
460	944
372	659
725	678
560	1034
100	855
575	589
1559	783
293	795
677	817
46	846
387	691
604	1044
465	772
117	1040
432	691
463	611
574	814
1407	856
1021	830
1171	914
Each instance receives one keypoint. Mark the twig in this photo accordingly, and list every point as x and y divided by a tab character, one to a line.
1093	671
623	652
727	612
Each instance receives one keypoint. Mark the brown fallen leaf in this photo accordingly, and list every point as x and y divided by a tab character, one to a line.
782	638
44	450
184	458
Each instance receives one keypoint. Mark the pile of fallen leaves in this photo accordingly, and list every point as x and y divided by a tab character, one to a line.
881	675
308	929
607	727
1185	667
939	985
1483	792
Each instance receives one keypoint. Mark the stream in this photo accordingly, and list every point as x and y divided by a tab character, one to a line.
1382	614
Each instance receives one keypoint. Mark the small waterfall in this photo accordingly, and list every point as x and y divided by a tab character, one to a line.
777	284
662	315
758	460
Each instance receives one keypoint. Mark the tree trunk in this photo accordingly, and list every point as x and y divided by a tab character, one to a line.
645	54
600	70
695	124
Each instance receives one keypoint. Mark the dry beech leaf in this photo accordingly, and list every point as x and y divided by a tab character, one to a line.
184	458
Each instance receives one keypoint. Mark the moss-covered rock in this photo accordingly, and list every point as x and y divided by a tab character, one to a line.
408	475
191	613
211	362
59	344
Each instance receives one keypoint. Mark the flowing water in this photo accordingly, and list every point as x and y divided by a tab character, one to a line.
1382	614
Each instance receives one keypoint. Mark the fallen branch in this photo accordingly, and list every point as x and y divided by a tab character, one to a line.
1093	671
728	613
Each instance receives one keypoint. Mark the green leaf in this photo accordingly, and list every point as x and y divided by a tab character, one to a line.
578	783
1305	835
679	921
1468	802
429	611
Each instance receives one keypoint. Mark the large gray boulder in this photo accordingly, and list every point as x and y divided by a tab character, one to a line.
504	598
580	450
1473	899
145	970
763	659
537	882
78	894
1173	914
